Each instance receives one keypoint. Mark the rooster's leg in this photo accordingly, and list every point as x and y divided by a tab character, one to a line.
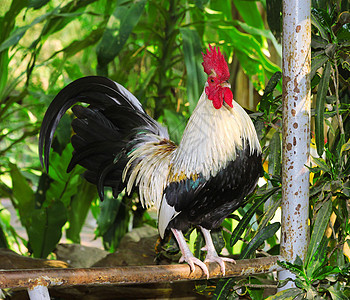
187	255
212	255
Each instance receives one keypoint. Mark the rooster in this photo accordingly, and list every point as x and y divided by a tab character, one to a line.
197	183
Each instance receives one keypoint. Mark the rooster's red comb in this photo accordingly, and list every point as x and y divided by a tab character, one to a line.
214	60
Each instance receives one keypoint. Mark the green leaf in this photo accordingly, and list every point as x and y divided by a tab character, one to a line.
345	147
316	20
118	228
109	210
3	239
176	124
274	17
249	53
261	32
62	190
125	16
270	211
325	271
266	101
218	240
198	246
64	185
337	294
346	188
45	229
320	225
252	68
36	4
319	111
321	163
22	192
343	19
79	208
242	225
288	294
298	261
221	8
7	22
10	236
275	154
59	163
271	85
193	62
294	268
336	151
78	45
252	16
67	14
4	64
16	36
317	259
223	288
330	50
256	293
318	42
264	234
201	3
317	62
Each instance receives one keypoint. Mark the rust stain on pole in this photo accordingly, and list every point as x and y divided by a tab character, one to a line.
131	274
296	130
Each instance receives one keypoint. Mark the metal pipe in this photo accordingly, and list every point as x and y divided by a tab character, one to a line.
296	67
131	274
39	292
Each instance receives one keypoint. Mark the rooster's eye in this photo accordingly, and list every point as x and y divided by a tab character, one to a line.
212	80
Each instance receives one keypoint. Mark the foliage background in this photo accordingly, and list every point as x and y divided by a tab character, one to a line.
154	49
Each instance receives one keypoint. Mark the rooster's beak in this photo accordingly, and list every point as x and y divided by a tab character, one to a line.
225	84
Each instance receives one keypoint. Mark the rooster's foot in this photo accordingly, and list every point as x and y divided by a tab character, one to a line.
213	257
192	261
187	255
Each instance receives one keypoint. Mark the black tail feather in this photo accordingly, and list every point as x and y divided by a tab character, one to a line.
95	90
109	169
104	131
104	148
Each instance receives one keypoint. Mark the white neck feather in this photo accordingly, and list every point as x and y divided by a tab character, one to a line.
211	138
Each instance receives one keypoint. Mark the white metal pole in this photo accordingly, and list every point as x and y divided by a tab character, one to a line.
39	292
296	131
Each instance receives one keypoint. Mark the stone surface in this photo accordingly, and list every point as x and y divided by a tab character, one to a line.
136	248
79	256
11	260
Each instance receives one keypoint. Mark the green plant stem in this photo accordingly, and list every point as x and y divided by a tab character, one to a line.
255	286
166	59
35	131
274	126
336	87
340	244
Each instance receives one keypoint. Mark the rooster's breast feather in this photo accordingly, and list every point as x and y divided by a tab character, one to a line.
217	163
198	201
